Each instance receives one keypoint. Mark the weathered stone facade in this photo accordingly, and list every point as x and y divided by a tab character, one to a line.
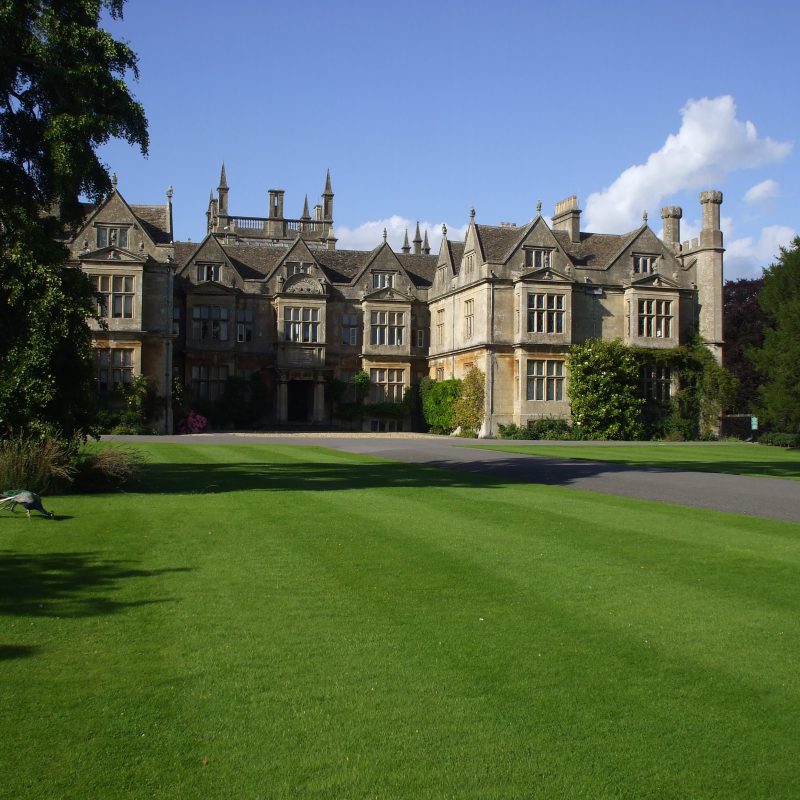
275	297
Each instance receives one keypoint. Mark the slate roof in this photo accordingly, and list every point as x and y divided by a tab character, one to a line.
420	268
155	221
341	266
497	242
595	250
254	262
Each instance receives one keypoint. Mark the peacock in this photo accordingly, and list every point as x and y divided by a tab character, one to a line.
30	501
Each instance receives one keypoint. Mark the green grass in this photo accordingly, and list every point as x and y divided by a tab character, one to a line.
735	459
350	628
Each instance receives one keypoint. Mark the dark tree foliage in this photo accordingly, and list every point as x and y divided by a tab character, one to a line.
62	95
778	358
744	329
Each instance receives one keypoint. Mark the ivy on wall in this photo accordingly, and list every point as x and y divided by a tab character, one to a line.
606	399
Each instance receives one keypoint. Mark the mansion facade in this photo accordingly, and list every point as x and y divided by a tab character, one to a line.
274	298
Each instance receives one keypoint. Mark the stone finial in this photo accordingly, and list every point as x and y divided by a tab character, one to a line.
384	235
538	208
114	181
169	192
644	217
406	246
472	213
426	248
327	190
444	230
223	182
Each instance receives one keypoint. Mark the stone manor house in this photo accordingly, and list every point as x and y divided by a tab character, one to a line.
274	296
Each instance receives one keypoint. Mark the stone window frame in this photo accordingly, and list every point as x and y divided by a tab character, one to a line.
208	271
387	384
381	279
114	367
116	292
301	324
657	382
654	318
351	324
387	328
545	380
112	234
644	263
210	323
440	323
245	319
208	381
469	318
539	257
546	312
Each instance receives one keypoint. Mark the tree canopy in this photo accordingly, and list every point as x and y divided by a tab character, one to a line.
778	358
744	330
62	95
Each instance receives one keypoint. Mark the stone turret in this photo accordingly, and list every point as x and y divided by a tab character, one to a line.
709	273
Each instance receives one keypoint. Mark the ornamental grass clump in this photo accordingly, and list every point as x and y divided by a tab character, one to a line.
43	464
108	469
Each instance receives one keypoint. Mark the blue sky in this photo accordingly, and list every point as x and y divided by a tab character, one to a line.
423	110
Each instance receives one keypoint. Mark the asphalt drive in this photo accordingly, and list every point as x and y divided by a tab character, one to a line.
774	498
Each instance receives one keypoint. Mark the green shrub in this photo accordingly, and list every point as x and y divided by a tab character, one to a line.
41	464
512	431
438	403
468	407
790	440
550	428
605	390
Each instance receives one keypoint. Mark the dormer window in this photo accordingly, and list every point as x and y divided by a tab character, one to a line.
644	264
538	258
108	236
209	272
382	280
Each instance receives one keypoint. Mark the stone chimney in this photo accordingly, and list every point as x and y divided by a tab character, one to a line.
711	234
276	203
568	218
671	218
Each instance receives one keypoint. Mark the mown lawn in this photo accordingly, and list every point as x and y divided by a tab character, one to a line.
736	459
280	622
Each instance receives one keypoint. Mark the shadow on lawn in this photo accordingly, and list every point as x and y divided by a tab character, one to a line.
276	476
66	584
489	472
9	651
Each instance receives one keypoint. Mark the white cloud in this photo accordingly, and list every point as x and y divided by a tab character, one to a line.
745	257
711	143
370	234
765	190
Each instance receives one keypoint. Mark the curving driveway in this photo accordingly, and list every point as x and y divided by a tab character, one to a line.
761	497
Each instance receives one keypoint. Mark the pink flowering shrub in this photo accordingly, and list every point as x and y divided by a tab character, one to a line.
194	423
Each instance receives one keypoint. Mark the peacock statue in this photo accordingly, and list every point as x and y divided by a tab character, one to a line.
30	501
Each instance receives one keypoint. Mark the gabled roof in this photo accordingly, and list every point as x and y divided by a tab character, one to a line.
341	266
595	250
497	241
421	269
155	221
